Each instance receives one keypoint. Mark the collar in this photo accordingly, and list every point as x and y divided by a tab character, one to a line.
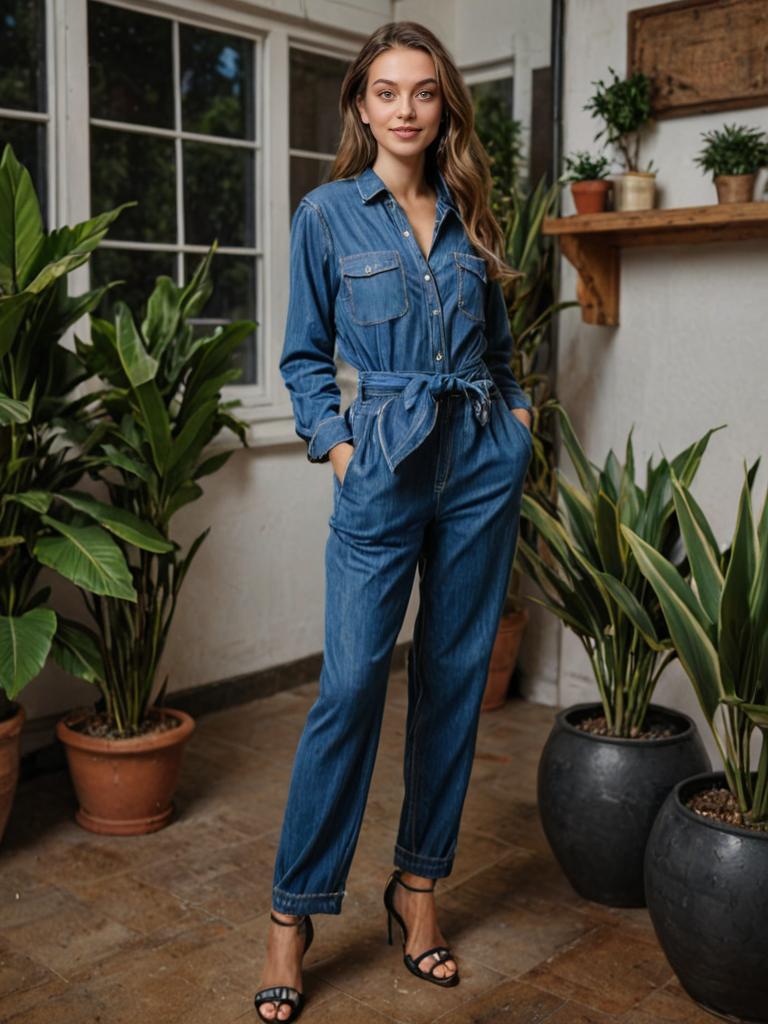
369	184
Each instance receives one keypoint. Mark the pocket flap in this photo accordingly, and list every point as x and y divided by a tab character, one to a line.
469	262
363	264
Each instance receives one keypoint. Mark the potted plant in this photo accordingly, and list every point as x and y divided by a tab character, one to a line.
159	409
531	307
38	380
588	177
707	855
625	108
733	155
608	765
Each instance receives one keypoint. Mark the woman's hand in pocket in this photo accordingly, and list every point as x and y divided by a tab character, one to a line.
524	416
339	456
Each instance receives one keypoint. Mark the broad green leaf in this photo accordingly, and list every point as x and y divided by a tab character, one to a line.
38	501
580	461
608	538
694	649
119	521
21	226
14	411
138	364
156	423
88	557
634	611
76	650
25	641
734	602
12	310
704	565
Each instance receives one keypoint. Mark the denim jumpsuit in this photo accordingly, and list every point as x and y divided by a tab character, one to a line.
434	484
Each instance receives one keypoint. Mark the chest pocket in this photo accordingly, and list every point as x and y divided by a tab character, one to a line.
374	286
471	285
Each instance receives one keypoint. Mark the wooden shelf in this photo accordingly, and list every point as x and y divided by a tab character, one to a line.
592	243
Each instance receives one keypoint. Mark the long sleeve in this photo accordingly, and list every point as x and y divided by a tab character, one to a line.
307	364
500	345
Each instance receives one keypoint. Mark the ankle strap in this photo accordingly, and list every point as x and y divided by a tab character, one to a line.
413	888
288	924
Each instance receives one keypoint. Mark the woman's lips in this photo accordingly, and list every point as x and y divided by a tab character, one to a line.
406	133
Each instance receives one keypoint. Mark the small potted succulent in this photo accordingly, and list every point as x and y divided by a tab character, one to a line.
588	177
608	765
733	155
707	856
624	105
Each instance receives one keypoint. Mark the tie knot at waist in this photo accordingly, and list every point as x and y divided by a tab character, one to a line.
406	419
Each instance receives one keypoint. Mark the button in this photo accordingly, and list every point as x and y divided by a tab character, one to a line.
439	355
427	277
407	234
367	270
435	312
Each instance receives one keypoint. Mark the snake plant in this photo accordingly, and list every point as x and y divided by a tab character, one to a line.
717	622
590	577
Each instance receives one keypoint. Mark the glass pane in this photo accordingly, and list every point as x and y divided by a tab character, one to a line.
216	83
22	55
219	195
233	298
315	85
131	66
28	141
306	173
126	166
137	271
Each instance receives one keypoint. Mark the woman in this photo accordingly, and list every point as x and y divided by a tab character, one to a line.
398	261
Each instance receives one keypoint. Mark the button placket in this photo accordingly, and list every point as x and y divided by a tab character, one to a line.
433	299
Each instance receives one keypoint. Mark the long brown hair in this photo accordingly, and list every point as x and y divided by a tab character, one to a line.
457	151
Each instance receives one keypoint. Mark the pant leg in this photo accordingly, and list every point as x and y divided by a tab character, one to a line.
370	563
464	572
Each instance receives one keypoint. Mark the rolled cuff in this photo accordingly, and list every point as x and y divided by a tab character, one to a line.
329	432
516	398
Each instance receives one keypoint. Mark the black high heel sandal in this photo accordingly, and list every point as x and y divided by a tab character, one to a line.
412	963
285	993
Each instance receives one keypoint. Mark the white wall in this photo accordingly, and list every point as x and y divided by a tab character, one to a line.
690	352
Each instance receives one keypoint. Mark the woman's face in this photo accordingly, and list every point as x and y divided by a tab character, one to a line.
402	91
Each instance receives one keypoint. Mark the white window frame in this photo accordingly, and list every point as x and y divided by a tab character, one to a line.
266	406
49	117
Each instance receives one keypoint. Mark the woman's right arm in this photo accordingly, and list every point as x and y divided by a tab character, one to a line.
306	364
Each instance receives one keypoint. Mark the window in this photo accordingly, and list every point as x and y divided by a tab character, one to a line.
24	117
315	125
174	125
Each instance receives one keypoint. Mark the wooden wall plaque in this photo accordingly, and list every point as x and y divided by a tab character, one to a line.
704	55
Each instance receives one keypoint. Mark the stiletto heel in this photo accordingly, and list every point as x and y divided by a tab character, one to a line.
280	994
443	953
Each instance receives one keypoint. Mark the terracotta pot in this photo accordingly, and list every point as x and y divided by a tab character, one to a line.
10	742
504	658
125	787
635	190
735	188
591	196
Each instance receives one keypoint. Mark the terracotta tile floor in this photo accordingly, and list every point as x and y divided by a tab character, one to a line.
170	927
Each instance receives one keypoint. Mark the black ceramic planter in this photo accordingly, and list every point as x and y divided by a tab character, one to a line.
708	900
598	797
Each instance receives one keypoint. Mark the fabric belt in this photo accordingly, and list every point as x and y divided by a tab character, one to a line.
406	419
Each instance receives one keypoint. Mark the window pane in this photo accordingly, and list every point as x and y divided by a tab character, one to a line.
131	66
233	298
22	55
306	173
28	141
125	166
137	270
218	194
315	85
216	83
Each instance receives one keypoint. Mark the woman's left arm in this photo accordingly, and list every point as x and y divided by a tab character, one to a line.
499	352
